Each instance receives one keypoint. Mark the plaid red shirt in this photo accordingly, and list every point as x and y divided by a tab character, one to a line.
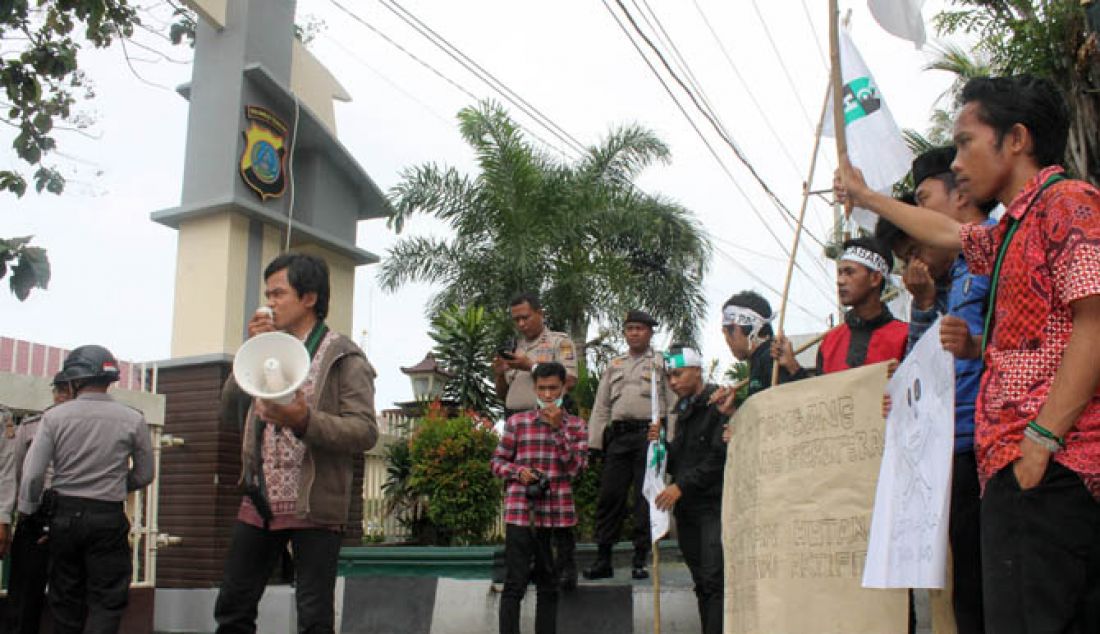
559	453
1053	260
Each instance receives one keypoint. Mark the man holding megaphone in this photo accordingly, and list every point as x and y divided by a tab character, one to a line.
307	417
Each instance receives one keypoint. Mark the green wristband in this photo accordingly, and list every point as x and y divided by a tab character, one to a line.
1045	433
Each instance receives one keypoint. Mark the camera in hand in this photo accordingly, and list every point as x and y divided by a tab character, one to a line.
538	489
507	351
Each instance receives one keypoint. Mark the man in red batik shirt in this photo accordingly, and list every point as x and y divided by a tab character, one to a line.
539	454
1037	431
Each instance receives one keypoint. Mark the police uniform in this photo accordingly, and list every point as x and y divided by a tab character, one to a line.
29	559
100	450
619	422
548	346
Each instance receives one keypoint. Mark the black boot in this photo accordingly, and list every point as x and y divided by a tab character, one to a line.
602	568
637	570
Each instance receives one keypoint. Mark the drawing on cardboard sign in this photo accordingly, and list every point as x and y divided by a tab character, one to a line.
908	546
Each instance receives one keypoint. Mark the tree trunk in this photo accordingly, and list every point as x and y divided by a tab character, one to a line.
1083	94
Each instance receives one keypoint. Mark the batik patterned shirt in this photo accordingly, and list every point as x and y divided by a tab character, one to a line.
1052	261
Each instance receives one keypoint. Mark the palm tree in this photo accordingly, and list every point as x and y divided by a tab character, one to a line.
964	65
580	233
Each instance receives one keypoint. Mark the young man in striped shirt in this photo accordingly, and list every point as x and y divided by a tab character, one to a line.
540	452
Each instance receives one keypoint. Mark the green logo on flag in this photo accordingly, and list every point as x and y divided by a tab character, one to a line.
658	452
860	99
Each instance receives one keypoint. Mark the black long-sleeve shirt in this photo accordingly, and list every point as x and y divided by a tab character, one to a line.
697	455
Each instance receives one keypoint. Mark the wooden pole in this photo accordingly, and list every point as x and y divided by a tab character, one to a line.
797	351
798	229
657	587
838	96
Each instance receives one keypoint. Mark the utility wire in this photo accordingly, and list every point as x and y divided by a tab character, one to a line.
786	72
717	127
695	127
355	57
658	27
431	68
817	40
759	109
756	211
479	71
765	284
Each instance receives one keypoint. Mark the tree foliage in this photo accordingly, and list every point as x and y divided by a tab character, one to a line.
28	266
579	233
41	77
1050	38
466	339
40	80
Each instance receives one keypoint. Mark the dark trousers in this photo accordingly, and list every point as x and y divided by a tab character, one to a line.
27	584
700	531
966	545
253	554
565	549
1041	555
529	553
623	467
89	566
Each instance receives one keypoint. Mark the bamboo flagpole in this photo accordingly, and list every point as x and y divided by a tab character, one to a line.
656	587
806	187
837	82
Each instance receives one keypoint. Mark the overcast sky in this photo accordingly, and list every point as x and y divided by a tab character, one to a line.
113	268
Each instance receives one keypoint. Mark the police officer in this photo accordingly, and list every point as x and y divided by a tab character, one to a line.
7	478
512	369
620	417
30	551
536	344
100	450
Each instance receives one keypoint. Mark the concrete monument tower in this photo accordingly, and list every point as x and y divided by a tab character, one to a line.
264	170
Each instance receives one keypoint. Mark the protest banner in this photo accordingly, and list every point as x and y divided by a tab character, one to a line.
796	514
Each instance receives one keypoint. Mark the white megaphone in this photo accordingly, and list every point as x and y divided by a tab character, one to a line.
271	366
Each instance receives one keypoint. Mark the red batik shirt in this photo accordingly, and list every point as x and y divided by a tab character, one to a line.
559	453
1052	261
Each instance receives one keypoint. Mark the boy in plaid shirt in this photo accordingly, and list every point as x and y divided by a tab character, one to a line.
540	452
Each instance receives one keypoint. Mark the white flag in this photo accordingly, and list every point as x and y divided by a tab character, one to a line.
656	458
875	144
901	18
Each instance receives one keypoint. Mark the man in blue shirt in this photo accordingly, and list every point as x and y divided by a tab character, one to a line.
941	284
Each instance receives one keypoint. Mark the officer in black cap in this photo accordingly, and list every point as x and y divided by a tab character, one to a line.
620	417
100	451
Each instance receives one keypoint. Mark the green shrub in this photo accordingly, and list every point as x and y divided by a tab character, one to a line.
450	467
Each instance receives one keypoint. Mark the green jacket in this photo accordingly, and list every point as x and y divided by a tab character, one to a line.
342	425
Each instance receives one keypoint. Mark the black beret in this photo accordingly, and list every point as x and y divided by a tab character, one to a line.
640	317
932	163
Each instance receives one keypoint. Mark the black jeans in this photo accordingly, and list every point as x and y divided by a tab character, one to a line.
623	467
522	546
1041	555
89	566
966	545
253	553
700	531
27	584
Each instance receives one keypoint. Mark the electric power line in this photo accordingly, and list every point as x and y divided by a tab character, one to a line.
436	72
783	65
756	211
717	127
817	40
484	75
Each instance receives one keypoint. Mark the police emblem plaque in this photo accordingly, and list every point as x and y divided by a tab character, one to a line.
263	162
